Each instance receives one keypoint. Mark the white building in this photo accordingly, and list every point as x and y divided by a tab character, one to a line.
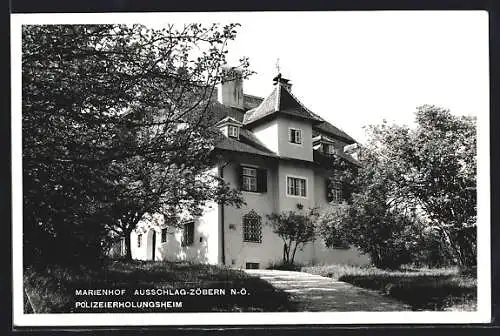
278	153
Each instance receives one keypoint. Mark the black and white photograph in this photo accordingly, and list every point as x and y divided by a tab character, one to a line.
250	168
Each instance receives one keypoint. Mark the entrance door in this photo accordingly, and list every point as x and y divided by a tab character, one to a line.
153	245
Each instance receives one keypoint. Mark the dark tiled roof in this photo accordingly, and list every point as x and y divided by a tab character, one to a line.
217	112
282	101
323	159
285	103
328	128
250	102
231	144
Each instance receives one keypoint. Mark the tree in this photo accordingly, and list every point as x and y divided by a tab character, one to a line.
331	227
416	184
117	123
441	169
295	228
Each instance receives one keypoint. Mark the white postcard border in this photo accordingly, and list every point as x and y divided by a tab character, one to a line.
482	315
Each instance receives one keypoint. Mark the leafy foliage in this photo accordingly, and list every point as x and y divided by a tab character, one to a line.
330	225
116	124
295	228
415	196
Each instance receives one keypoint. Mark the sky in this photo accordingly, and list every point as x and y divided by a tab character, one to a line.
358	68
352	68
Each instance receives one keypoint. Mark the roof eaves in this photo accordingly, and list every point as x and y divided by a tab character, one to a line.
339	133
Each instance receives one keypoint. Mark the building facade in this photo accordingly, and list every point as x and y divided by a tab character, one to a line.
277	152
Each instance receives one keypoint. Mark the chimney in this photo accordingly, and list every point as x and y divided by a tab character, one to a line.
230	90
282	81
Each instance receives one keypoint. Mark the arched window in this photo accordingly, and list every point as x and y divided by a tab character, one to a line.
252	227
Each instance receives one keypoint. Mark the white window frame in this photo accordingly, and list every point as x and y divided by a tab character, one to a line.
232	131
290	129
249	177
296	177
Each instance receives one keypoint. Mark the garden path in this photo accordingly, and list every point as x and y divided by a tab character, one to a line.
316	293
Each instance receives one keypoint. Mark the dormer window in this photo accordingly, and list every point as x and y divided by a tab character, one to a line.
233	131
230	127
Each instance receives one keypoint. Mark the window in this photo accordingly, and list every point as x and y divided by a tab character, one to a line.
329	149
253	179
164	235
295	136
334	191
139	240
252	265
232	131
188	234
252	227
296	186
249	176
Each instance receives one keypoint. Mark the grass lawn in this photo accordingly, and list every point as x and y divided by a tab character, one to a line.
421	288
53	290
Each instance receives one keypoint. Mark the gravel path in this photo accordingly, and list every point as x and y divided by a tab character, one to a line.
319	294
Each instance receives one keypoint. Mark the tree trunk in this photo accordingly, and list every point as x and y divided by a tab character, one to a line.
293	253
128	247
285	254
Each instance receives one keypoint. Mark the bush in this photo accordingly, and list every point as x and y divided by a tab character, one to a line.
282	266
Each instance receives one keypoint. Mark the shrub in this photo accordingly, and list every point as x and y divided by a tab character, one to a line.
282	266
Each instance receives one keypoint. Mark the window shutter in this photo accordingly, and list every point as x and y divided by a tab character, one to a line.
240	177
290	135
261	180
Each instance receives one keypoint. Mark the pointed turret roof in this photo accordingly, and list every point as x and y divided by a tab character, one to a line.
280	101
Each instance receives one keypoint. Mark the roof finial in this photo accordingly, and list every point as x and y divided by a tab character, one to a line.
278	65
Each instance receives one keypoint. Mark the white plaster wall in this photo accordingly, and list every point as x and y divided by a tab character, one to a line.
205	247
303	151
293	169
204	251
173	250
268	134
238	252
320	190
145	251
209	230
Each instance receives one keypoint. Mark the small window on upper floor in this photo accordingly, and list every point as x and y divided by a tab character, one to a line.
295	136
232	131
139	240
